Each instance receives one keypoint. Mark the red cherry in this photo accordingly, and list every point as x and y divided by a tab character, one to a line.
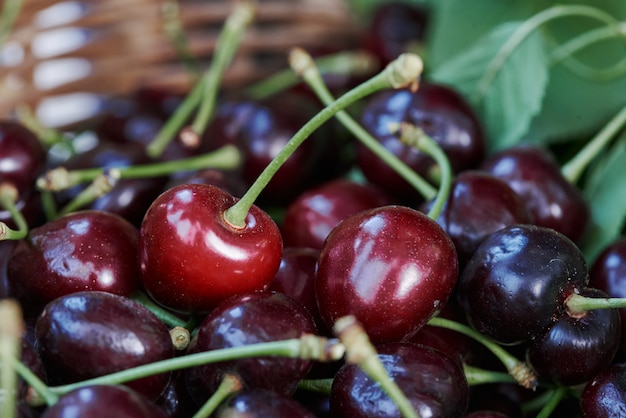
392	267
191	258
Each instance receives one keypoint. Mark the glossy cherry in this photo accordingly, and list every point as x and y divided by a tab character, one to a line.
247	319
605	394
517	280
22	156
191	258
104	401
261	403
433	383
535	175
91	334
441	112
577	347
311	216
392	267
84	250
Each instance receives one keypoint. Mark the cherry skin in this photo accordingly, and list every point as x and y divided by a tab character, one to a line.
247	319
517	279
261	403
605	395
103	401
443	115
535	175
433	383
90	334
22	157
576	347
311	216
84	250
191	258
392	267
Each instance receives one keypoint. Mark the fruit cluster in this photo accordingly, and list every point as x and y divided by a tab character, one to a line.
280	258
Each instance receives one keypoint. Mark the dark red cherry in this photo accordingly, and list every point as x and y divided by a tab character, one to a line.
90	334
608	273
517	279
85	250
248	319
479	204
605	395
261	403
392	267
535	175
230	181
395	28
441	112
191	258
576	347
311	216
6	250
22	156
104	401
434	384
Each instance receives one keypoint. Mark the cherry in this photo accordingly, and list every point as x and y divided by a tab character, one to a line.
227	180
479	204
90	334
22	156
247	319
311	216
433	382
84	250
517	280
576	347
443	115
104	401
536	176
192	258
392	267
261	403
605	394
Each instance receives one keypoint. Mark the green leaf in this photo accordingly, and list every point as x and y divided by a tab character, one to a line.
507	96
604	190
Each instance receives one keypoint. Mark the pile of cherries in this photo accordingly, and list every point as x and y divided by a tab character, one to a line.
175	266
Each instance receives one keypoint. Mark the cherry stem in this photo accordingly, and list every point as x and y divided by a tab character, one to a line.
316	385
415	136
8	199
173	28
181	337
553	401
305	66
163	314
574	168
403	72
308	347
477	376
225	49
577	304
360	351
229	385
10	11
519	370
355	63
227	157
11	330
47	136
100	186
38	393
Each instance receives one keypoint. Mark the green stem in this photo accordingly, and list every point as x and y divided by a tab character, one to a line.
306	347
519	370
316	385
401	73
575	167
100	186
229	385
47	136
310	73
414	136
227	157
476	376
360	351
8	199
555	398
577	304
359	63
173	28
10	11
530	25
225	49
163	314
42	392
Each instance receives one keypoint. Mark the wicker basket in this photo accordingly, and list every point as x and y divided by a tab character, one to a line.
111	47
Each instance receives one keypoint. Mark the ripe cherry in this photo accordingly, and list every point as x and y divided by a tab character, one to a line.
392	267
192	258
261	403
605	394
